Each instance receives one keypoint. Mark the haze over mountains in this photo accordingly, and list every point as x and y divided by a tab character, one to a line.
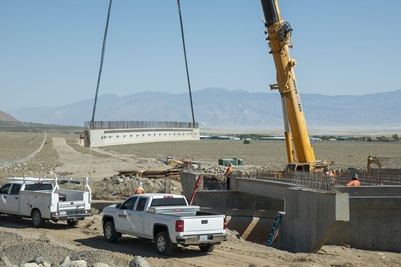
220	108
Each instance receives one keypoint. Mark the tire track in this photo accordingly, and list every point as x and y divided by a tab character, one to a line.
30	156
87	165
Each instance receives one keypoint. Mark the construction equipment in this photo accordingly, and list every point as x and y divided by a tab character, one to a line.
151	174
298	144
191	165
177	164
384	169
374	160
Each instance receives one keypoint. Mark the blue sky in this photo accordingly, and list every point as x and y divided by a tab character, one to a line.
50	49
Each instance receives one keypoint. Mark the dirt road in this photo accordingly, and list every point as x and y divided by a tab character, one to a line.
79	164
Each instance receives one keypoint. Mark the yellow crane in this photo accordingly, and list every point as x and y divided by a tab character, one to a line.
300	154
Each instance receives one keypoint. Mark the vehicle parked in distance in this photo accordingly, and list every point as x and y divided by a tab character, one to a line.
42	200
165	218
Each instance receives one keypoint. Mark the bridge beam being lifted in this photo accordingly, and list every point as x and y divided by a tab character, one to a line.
110	133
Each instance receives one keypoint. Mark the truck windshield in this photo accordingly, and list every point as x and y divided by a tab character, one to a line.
168	202
37	187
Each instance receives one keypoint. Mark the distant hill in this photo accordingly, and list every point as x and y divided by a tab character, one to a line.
220	108
7	117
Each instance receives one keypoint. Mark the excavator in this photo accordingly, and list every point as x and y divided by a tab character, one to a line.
374	160
300	154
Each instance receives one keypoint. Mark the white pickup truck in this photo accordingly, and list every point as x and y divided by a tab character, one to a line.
42	200
165	218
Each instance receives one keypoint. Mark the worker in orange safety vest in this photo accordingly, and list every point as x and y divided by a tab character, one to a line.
228	173
139	190
328	179
355	181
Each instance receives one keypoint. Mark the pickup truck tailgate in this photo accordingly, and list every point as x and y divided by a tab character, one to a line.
205	224
198	230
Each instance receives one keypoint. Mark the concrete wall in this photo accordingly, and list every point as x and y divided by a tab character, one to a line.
110	137
188	182
272	189
311	218
375	219
239	204
231	203
365	217
252	216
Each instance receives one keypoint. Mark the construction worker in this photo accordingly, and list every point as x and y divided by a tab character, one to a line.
139	190
328	179
355	181
228	173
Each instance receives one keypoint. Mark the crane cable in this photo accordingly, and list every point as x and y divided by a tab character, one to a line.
101	65
102	59
186	63
92	123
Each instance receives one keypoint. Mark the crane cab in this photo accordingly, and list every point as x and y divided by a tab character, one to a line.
298	167
317	166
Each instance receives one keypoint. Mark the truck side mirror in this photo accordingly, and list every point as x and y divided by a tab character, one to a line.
118	205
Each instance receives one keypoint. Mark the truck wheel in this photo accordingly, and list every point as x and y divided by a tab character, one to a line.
163	244
207	248
37	220
109	232
72	222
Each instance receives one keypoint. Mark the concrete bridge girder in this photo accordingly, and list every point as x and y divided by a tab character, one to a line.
111	137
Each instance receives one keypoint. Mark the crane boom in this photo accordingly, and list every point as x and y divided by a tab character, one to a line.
279	38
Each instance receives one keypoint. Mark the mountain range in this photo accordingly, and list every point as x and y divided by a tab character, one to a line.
221	108
7	117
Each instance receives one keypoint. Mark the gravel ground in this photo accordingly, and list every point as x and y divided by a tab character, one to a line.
57	241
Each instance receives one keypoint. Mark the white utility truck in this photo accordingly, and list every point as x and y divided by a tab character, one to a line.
43	200
165	218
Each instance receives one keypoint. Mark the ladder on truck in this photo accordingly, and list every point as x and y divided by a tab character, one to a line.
55	180
273	232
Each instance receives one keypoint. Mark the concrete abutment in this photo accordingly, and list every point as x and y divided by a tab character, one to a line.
366	217
311	218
